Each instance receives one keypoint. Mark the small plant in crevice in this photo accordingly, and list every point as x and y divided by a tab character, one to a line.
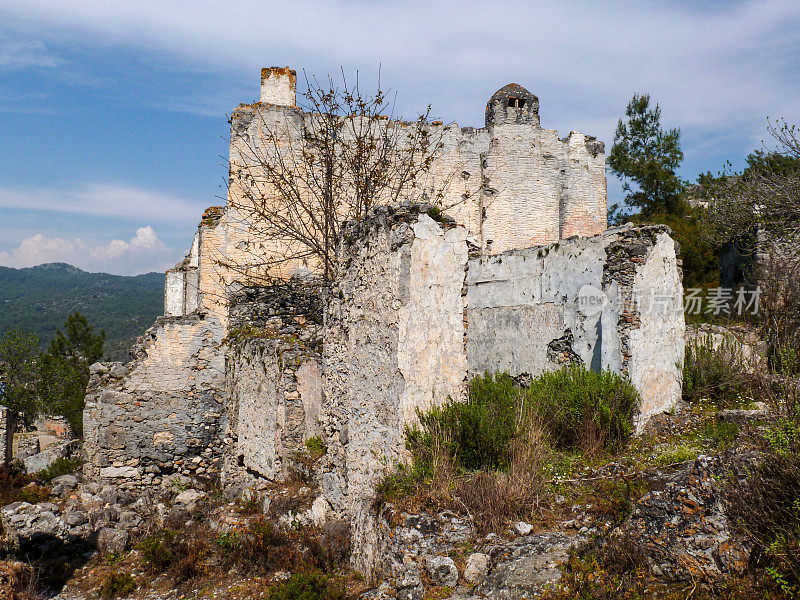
316	447
61	466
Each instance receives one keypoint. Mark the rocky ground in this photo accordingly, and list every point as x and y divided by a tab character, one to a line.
81	537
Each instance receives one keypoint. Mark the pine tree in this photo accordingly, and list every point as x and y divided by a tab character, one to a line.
646	155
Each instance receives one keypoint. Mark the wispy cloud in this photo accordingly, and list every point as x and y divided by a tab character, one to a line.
25	53
143	252
104	200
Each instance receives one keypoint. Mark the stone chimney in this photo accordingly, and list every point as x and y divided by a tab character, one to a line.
278	86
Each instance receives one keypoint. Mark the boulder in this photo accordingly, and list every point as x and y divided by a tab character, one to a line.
477	567
442	570
75	518
112	541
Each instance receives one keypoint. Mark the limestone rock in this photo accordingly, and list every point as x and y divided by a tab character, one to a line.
119	472
523	528
112	541
319	510
188	499
75	518
442	570
683	528
477	567
529	564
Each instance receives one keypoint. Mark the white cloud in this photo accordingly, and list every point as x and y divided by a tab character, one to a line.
143	252
104	200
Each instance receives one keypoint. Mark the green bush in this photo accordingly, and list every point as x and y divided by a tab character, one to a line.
584	409
116	585
476	433
61	466
310	585
578	408
155	551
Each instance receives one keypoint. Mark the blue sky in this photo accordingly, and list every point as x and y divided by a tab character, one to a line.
113	114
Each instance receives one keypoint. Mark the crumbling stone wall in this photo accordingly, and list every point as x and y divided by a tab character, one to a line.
6	434
162	413
393	344
274	380
511	184
612	302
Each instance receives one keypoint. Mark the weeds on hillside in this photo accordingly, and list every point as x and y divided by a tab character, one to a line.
116	585
258	547
16	486
616	569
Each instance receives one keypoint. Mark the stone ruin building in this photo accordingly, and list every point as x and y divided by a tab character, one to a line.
522	277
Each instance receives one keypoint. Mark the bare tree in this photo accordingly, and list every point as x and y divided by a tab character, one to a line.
331	159
762	204
758	213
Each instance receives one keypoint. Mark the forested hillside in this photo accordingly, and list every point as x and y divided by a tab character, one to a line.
38	299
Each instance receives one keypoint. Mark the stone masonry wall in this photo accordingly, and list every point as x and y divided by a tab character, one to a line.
274	380
612	302
162	413
393	344
511	184
6	434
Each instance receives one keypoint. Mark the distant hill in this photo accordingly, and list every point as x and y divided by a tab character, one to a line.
38	299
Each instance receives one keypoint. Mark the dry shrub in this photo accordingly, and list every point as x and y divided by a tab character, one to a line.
16	580
330	548
116	585
779	308
16	486
180	552
764	504
716	372
489	498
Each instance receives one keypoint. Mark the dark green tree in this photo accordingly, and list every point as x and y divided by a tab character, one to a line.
19	369
775	163
61	389
64	369
78	343
645	156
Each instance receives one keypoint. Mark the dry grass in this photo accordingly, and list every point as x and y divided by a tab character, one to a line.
489	498
17	581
